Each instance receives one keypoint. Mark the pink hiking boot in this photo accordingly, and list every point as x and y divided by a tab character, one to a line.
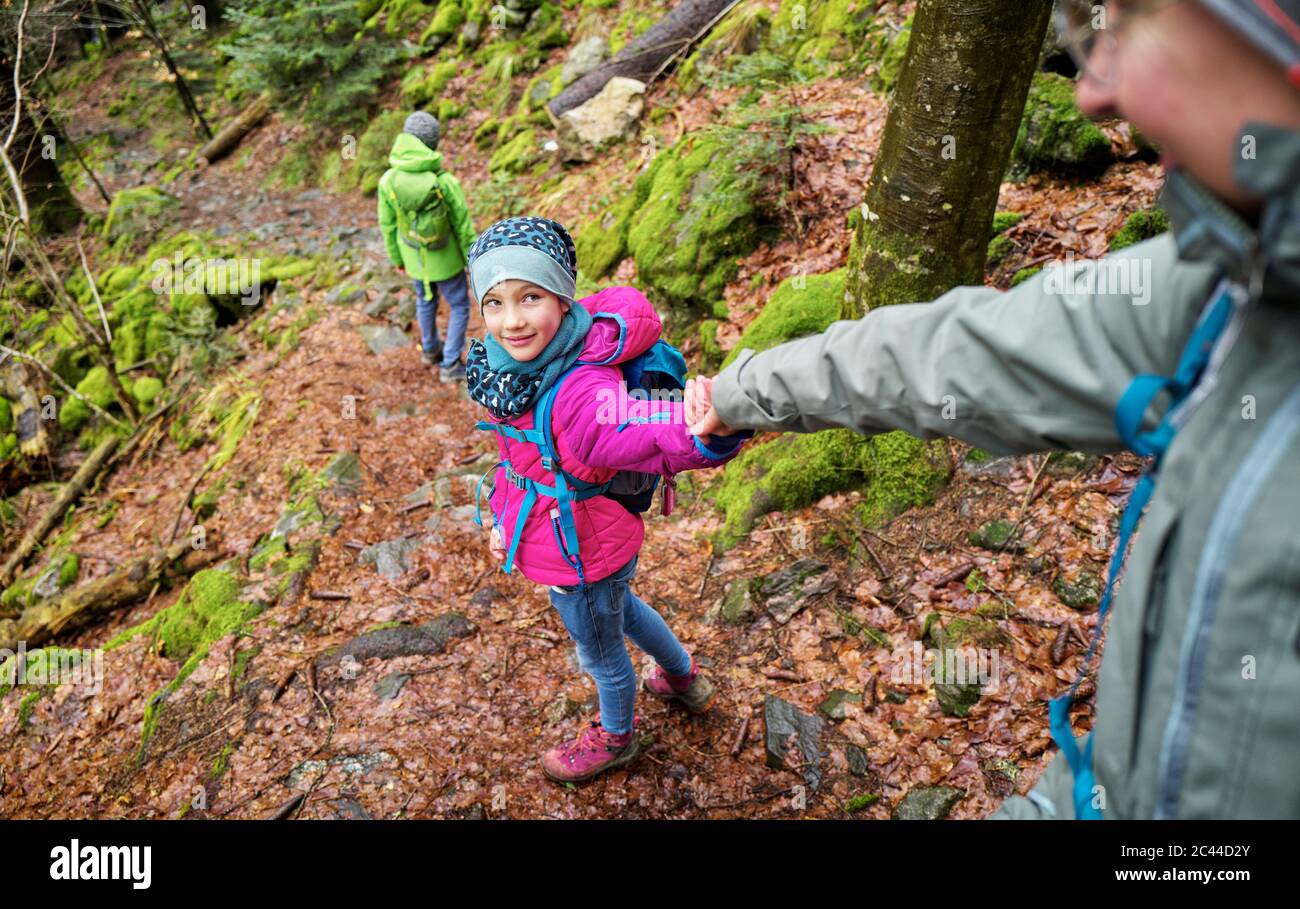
693	689
593	751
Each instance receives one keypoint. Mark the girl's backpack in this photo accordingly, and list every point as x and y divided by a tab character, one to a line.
424	229
660	369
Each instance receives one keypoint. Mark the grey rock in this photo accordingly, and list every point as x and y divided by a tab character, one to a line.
931	803
390	686
783	593
432	637
782	722
390	557
344	472
383	338
585	56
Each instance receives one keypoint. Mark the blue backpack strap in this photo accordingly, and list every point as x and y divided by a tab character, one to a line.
1132	406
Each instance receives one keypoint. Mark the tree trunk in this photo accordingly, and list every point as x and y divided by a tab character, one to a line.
953	120
84	605
645	55
51	204
230	135
70	493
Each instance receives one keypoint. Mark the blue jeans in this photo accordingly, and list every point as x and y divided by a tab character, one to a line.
597	615
456	292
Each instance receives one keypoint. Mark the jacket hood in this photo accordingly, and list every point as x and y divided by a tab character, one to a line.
1263	257
415	171
625	325
411	155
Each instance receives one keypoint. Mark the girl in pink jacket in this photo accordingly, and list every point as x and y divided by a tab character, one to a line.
522	273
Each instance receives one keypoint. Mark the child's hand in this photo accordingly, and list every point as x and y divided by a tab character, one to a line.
701	418
497	546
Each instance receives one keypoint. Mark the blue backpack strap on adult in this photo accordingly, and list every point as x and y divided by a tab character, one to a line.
1133	404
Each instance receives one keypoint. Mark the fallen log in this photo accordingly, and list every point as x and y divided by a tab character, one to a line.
647	54
84	605
230	135
70	493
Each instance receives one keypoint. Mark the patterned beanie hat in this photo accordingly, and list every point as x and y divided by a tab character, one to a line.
528	248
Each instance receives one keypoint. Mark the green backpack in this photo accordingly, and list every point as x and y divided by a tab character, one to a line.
424	229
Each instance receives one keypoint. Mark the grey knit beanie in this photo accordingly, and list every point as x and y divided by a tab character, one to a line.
423	126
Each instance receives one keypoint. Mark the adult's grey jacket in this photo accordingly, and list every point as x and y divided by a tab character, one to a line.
1198	700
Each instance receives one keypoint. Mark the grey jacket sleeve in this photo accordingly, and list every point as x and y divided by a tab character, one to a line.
1025	370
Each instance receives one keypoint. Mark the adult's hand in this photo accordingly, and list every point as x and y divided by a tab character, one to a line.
701	417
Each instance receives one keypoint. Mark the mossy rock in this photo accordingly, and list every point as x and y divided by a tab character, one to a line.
801	305
698	210
997	536
402	15
895	471
930	803
1054	135
601	243
138	211
146	389
1083	593
822	37
446	20
1139	226
515	156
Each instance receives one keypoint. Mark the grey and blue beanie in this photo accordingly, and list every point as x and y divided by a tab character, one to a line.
528	248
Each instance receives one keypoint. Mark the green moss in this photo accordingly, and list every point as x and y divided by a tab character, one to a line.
800	305
138	211
1025	274
146	390
891	61
403	15
861	802
267	551
710	352
999	248
208	609
700	213
1004	221
895	471
69	569
822	37
903	472
602	242
1139	226
242	660
6	415
515	156
372	151
1055	135
446	20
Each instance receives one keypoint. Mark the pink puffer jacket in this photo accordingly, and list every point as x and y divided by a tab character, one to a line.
598	432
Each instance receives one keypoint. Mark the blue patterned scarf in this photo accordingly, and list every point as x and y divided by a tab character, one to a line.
508	387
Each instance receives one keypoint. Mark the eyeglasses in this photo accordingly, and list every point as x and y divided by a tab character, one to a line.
1082	24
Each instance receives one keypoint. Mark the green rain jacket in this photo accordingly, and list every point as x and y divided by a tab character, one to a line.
415	170
1197	712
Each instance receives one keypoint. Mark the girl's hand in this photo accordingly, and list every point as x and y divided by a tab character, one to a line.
497	546
701	418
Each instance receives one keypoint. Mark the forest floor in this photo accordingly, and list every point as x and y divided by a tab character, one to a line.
459	732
